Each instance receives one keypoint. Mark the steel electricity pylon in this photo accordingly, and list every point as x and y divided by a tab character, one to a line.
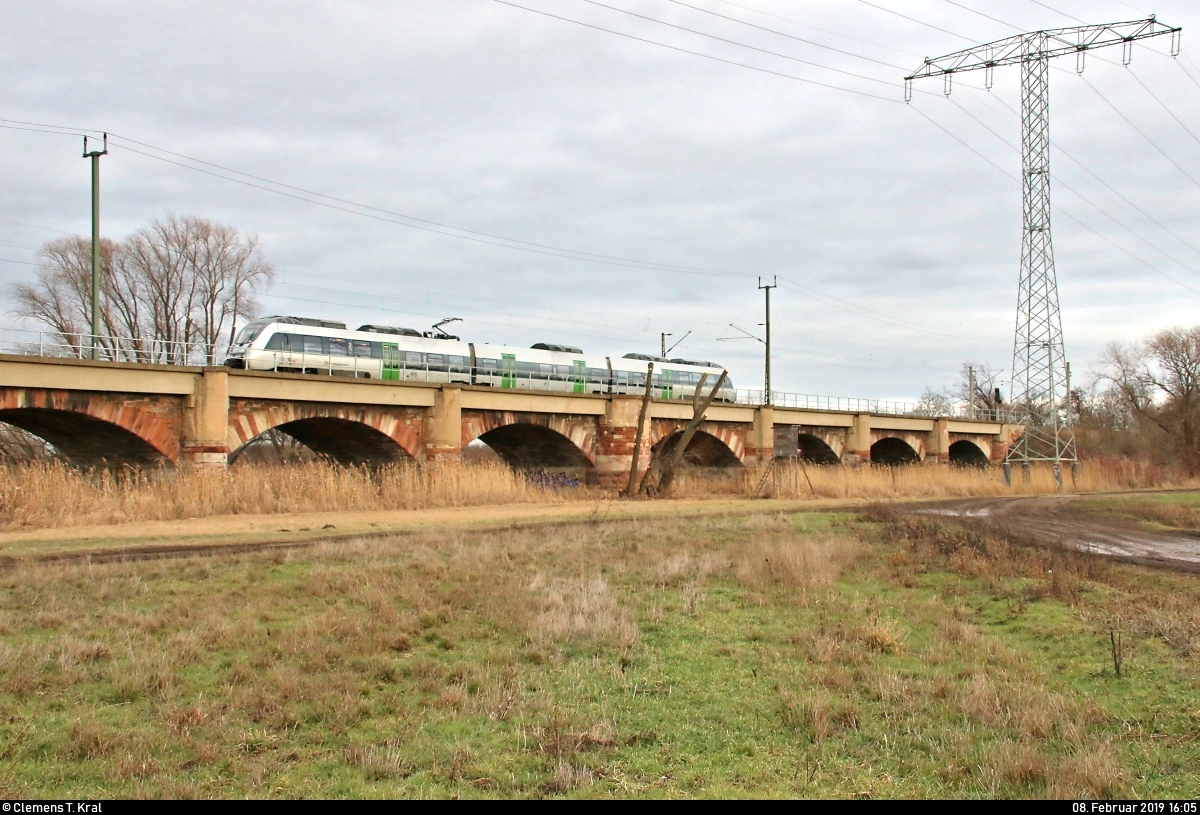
1040	383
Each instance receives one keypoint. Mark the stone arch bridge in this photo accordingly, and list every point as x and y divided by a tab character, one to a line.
113	414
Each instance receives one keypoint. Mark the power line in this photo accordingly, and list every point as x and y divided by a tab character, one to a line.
695	53
915	20
981	14
1139	131
816	28
1062	211
743	45
781	34
31	226
1056	11
1163	105
1082	197
566	253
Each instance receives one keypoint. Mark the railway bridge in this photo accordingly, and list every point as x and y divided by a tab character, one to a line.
110	414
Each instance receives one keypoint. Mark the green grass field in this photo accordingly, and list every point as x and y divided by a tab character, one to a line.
777	655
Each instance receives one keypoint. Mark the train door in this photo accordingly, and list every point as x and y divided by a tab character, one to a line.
667	383
579	373
391	361
508	370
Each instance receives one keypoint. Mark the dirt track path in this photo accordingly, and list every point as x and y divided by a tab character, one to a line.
1066	521
243	533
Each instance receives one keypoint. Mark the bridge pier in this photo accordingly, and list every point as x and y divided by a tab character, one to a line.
204	444
937	449
858	441
760	446
444	429
616	434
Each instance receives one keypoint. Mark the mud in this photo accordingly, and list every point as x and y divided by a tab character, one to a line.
1068	521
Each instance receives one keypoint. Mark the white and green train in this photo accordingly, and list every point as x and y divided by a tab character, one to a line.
301	345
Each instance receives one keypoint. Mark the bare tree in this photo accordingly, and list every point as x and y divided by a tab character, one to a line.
986	396
935	403
61	296
1158	381
176	285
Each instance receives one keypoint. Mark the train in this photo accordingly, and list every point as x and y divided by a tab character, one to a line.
312	346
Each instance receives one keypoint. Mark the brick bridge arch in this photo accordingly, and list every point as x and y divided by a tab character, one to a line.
535	440
969	452
715	444
346	434
98	429
894	450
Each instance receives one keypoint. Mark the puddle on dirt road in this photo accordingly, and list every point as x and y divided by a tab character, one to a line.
1044	518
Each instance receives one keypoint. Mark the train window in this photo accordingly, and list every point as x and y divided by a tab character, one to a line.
528	367
544	369
597	373
562	370
456	362
637	379
487	363
414	358
249	332
622	375
313	345
436	362
376	350
338	347
278	342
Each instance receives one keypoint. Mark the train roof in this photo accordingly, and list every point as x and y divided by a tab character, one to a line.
697	363
388	329
546	346
303	321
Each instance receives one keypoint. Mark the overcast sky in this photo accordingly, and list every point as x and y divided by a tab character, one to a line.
896	246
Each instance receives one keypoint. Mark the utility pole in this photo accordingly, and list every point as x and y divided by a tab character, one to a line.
971	392
767	378
665	349
95	155
1039	378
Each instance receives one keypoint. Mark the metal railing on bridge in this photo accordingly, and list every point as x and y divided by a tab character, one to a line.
51	344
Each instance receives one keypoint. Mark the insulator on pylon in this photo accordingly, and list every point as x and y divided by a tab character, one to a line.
1079	60
989	77
908	90
1126	52
1176	35
946	85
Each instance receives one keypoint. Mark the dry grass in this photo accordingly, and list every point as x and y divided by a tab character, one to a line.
788	480
772	655
54	494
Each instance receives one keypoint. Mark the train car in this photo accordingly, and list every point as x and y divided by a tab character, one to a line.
309	346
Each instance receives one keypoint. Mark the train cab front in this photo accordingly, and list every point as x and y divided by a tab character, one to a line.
242	343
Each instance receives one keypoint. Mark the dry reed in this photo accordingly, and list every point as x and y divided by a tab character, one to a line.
792	480
53	494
